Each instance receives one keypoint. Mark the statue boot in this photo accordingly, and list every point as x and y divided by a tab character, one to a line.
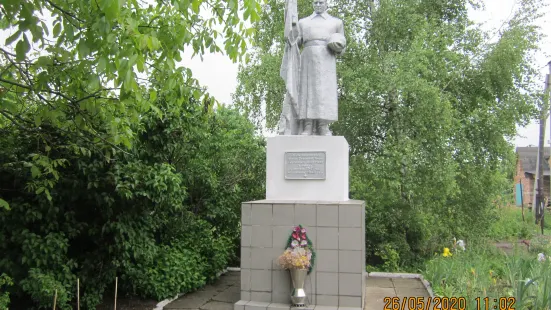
323	128
307	131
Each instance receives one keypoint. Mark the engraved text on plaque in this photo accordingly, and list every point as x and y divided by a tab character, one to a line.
305	165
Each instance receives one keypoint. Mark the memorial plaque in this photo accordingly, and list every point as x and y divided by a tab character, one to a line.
305	165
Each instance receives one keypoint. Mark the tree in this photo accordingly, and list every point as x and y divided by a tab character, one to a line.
106	165
84	67
427	102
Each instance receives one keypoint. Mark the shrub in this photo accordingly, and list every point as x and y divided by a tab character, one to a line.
5	281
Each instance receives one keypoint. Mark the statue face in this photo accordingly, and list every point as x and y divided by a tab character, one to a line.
320	6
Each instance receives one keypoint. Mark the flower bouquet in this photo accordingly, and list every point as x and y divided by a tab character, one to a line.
299	259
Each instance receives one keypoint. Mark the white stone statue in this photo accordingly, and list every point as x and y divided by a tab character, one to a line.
311	102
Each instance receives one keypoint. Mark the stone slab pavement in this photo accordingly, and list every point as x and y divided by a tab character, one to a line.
402	286
225	292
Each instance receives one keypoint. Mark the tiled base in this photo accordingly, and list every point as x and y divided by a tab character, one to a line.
255	305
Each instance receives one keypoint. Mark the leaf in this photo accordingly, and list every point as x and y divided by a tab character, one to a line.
152	95
37	120
57	30
102	64
195	5
13	37
112	10
35	172
22	48
4	204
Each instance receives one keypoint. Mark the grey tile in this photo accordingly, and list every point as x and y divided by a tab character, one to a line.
261	296
261	236
256	305
327	260
240	305
283	214
245	279
350	239
352	302
350	284
351	261
327	300
276	252
305	215
328	238
327	215
310	287
347	307
261	214
350	216
326	308
282	298
245	258
245	295
246	233
327	283
281	235
261	258
261	280
245	214
281	281
278	306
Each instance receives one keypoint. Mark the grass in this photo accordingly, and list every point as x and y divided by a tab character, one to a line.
485	271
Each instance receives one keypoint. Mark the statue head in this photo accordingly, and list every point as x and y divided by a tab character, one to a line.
320	6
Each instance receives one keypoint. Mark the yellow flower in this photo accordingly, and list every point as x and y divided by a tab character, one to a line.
447	252
491	273
473	271
495	281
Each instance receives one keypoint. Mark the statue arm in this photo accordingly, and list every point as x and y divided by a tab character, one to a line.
295	36
341	31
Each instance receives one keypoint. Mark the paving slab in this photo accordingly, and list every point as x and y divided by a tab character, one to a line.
378	282
224	293
217	305
230	295
412	283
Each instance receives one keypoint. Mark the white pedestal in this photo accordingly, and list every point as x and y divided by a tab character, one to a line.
333	188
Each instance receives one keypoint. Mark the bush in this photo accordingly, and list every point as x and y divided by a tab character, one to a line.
174	270
5	281
158	216
42	288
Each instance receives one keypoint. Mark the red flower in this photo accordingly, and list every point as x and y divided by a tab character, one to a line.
303	236
295	236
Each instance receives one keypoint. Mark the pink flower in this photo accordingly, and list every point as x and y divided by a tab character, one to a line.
294	243
303	236
303	230
303	243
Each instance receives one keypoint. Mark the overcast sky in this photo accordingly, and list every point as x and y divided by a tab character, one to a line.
218	73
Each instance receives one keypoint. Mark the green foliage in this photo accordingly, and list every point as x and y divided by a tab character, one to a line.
427	102
483	271
42	288
173	270
5	281
111	151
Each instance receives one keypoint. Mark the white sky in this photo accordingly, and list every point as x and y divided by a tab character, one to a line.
219	74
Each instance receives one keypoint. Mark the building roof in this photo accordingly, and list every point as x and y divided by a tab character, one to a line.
528	157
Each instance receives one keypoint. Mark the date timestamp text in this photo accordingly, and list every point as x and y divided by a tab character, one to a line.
447	303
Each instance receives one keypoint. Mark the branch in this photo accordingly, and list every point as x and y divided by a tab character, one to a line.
16	123
65	12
